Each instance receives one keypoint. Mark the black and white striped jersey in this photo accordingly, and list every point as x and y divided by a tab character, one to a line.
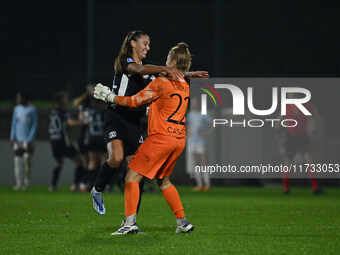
57	128
96	122
129	84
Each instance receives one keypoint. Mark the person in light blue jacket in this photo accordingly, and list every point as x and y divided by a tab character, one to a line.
23	130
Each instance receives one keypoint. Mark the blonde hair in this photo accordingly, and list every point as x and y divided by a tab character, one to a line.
182	55
126	48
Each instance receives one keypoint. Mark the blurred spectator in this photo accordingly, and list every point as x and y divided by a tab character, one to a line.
23	129
198	132
297	139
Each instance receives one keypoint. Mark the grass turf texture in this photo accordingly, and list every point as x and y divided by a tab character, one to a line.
226	220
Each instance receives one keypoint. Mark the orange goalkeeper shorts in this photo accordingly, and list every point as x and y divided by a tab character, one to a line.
157	156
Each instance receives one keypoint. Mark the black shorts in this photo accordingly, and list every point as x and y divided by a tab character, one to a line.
60	149
83	140
83	147
295	144
22	147
97	144
117	127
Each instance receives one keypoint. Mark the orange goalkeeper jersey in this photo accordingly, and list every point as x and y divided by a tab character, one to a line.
169	101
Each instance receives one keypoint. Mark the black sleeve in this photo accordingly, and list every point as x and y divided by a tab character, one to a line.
125	61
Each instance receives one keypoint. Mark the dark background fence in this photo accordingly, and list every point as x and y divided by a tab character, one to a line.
49	44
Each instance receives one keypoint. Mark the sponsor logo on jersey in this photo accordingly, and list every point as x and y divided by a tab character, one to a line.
112	134
141	139
146	76
130	60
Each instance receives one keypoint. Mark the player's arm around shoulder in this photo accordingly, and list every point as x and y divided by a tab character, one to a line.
150	93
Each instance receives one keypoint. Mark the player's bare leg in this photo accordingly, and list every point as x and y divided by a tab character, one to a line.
115	150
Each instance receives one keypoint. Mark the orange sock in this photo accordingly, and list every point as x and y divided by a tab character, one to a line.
171	196
131	197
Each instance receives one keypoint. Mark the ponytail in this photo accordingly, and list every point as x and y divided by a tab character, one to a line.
126	48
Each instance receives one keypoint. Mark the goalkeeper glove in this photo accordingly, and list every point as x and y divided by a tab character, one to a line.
104	93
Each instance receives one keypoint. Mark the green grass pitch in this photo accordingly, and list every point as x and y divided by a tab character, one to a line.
227	220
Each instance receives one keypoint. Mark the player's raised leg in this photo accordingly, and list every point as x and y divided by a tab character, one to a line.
116	153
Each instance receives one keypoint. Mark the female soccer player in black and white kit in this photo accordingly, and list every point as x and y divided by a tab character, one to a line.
122	125
60	141
82	103
97	146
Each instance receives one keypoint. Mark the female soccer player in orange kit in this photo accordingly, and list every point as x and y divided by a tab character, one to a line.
122	126
158	154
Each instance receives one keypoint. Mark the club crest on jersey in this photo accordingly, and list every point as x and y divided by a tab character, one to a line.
112	134
130	60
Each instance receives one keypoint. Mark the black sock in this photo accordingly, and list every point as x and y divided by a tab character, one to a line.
55	176
103	177
96	173
141	190
78	174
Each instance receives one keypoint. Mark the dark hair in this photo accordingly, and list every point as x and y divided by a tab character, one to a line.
126	48
182	55
24	95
